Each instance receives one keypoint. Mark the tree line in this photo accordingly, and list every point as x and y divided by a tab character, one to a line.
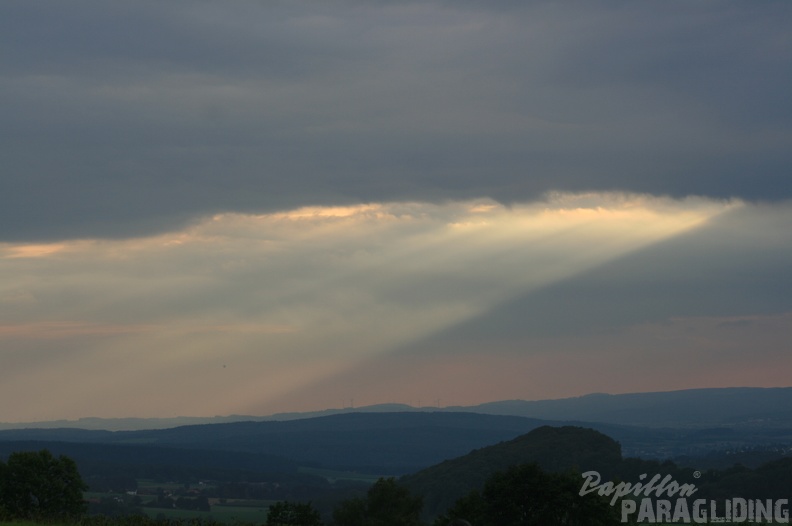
39	486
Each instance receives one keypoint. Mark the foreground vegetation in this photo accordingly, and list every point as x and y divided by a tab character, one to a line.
142	521
533	479
37	487
507	500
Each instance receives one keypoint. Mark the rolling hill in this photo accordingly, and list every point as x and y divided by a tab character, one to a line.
555	449
741	423
381	443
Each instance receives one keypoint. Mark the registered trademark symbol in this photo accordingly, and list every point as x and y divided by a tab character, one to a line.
696	474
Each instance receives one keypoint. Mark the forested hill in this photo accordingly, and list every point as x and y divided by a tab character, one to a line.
575	450
382	443
398	443
552	448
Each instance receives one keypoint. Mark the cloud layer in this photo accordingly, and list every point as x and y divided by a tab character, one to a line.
254	206
130	120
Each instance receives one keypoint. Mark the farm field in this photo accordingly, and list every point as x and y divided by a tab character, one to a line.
231	511
220	513
335	475
208	517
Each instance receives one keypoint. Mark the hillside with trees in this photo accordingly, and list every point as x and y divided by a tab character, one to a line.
553	449
378	443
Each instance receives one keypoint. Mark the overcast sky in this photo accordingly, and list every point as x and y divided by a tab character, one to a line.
260	206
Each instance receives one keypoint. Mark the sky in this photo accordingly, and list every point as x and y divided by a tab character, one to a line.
251	207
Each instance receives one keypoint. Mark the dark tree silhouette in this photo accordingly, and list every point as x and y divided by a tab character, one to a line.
525	495
36	485
386	504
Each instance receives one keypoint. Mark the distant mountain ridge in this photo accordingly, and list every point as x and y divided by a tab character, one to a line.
734	406
135	424
695	408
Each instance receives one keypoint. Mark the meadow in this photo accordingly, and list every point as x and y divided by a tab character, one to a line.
180	521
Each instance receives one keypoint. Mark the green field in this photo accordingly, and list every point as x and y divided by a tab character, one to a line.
240	518
225	514
235	511
333	475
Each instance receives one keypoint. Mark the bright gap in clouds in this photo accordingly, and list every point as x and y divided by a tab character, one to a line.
239	311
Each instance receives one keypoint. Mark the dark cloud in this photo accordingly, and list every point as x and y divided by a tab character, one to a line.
124	119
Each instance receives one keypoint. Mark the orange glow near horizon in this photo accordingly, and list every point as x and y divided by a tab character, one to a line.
31	251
